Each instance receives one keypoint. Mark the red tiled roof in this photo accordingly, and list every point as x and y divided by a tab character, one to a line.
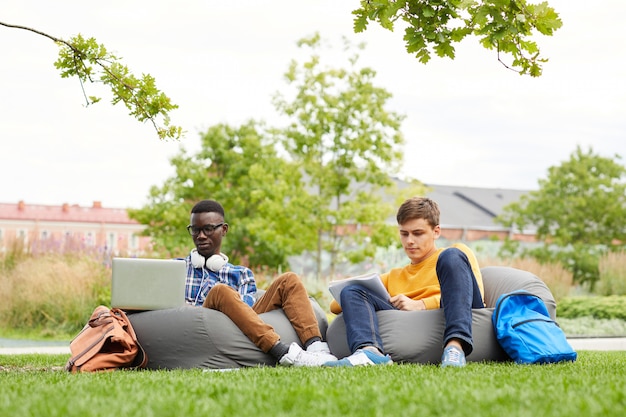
64	213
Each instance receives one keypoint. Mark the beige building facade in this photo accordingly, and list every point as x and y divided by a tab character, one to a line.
71	227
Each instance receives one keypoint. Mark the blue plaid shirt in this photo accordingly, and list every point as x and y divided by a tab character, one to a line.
201	280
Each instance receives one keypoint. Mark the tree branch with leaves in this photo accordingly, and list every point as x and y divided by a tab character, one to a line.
92	62
432	26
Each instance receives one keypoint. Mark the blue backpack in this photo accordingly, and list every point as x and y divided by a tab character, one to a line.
526	332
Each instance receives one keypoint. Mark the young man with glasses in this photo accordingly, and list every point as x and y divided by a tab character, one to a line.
213	282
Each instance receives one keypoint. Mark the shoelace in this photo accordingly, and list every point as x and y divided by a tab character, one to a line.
453	355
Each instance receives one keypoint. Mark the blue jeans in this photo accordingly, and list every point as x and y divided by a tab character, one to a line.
459	294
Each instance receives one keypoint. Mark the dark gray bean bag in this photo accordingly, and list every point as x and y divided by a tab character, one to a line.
417	336
196	337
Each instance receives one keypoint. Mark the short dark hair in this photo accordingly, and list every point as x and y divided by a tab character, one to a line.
208	206
419	208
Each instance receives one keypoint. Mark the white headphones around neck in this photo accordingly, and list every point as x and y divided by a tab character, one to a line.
214	262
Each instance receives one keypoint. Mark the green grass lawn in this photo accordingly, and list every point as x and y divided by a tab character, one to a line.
594	385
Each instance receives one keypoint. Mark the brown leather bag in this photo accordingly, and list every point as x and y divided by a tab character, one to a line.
106	343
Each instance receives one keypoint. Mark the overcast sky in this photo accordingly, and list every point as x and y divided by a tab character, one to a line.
469	121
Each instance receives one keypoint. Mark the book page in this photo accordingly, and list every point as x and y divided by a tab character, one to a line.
371	281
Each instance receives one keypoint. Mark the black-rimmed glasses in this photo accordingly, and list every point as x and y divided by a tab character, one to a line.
208	229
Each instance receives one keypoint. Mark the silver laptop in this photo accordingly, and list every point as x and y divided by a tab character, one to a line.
147	284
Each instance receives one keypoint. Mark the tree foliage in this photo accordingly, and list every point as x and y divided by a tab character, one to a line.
432	26
314	185
92	62
578	211
262	195
348	145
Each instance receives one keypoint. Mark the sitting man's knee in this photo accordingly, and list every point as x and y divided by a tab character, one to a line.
451	253
452	258
290	276
353	289
218	293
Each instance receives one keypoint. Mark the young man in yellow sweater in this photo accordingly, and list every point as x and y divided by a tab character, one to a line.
447	278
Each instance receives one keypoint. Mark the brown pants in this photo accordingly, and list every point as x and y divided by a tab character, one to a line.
286	292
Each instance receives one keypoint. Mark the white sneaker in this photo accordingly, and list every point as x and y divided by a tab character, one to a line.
296	356
322	350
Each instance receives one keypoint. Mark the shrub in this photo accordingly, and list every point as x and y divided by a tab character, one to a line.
53	293
612	307
612	274
14	254
558	279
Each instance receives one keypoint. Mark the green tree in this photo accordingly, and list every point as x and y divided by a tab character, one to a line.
261	192
578	212
316	185
432	26
91	62
348	145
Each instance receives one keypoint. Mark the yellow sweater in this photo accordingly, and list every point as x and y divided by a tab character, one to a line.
420	282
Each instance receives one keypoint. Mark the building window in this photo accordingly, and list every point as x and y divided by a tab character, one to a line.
22	234
112	242
44	235
134	242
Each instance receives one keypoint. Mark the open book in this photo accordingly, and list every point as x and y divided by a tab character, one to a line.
371	281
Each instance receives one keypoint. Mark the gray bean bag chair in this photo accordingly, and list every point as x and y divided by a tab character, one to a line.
417	336
196	337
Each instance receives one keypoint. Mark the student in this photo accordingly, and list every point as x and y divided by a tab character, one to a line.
213	282
449	278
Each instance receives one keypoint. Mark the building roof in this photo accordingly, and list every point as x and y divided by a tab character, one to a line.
21	211
468	207
472	207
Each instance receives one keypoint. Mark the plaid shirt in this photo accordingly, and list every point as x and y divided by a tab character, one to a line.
201	280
